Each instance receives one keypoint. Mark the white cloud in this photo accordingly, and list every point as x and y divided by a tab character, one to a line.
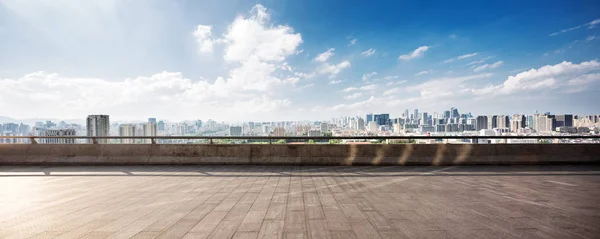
333	70
424	72
478	61
465	56
353	96
364	88
352	42
325	55
396	82
368	53
392	91
255	37
333	82
546	77
589	38
203	38
305	86
366	77
488	66
419	52
259	80
590	25
452	36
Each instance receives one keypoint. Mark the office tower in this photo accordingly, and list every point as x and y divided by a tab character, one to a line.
529	122
492	122
152	120
98	125
235	131
543	123
373	126
502	121
324	127
127	130
150	129
564	120
406	116
446	114
279	131
361	123
424	118
482	122
416	115
381	119
161	126
266	129
517	122
198	124
369	117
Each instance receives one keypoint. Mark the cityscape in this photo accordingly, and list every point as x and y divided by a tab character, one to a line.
450	122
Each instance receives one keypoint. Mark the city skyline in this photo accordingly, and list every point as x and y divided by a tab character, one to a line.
281	61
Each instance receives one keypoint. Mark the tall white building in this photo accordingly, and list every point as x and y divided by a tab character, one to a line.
98	125
127	130
361	124
150	129
324	127
373	126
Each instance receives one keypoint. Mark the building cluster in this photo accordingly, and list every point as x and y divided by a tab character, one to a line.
449	122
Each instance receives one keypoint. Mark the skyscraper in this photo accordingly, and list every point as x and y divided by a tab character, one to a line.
381	119
416	115
361	123
482	122
235	131
127	130
454	113
564	120
152	120
98	125
369	117
424	118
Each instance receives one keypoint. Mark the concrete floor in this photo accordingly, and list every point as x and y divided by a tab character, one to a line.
300	202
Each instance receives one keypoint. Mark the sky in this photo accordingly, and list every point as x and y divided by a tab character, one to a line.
237	60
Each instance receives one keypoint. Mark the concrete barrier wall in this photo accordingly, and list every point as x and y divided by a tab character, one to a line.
374	154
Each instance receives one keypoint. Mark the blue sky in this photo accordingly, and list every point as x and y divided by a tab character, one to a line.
285	60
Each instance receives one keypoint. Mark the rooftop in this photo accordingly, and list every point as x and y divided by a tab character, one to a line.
299	201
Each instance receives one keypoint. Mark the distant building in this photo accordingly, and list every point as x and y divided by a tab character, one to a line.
314	133
98	125
235	131
492	121
361	124
279	131
373	126
382	119
152	120
517	122
127	130
54	133
266	129
424	118
324	127
564	120
369	118
161	126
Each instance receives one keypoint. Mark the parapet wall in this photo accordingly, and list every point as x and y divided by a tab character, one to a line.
310	154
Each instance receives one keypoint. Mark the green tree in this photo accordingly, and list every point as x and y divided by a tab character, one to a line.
281	141
310	141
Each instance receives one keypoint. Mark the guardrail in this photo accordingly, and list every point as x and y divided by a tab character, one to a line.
271	139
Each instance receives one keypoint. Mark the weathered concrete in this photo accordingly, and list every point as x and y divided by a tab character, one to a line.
375	154
262	201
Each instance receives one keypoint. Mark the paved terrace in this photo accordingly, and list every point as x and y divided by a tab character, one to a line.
300	202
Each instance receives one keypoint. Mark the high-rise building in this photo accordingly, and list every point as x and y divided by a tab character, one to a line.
373	126
446	114
150	129
152	120
382	119
127	130
279	131
235	131
482	122
324	127
424	118
454	113
543	123
361	123
502	121
266	129
416	116
406	116
564	120
161	126
98	125
517	122
369	117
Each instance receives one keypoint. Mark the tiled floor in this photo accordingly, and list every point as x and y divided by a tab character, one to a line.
300	202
